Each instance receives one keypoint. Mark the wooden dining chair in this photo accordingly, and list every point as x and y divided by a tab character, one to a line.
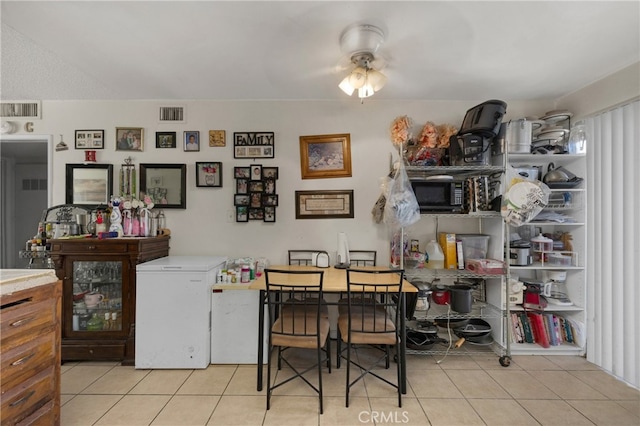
363	257
301	257
298	319
371	317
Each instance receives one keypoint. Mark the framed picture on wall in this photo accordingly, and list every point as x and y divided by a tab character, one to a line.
89	139
166	140
129	139
242	214
89	184
269	214
209	174
325	156
192	141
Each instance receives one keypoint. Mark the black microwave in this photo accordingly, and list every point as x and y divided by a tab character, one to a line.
444	196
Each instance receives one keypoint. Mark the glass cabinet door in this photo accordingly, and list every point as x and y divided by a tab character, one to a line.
97	296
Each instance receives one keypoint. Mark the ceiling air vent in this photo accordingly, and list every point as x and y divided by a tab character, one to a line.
172	114
21	109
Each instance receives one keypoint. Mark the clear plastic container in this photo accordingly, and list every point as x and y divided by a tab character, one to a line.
474	246
436	256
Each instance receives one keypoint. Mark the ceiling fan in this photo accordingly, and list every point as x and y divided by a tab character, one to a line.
360	43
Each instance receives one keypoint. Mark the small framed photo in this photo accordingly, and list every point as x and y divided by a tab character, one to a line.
89	139
242	214
241	172
242	186
269	186
256	172
269	200
217	138
269	214
209	174
256	213
129	139
241	200
256	199
270	173
166	140
192	141
256	186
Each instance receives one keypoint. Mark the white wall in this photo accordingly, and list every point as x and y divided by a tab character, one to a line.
614	89
203	228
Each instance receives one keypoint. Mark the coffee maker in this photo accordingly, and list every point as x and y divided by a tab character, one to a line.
553	288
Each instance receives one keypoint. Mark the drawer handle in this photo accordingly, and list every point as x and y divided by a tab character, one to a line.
21	322
23	359
92	247
23	399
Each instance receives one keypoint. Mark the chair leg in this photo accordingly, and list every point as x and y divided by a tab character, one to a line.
348	370
388	353
399	367
269	353
319	361
338	350
329	354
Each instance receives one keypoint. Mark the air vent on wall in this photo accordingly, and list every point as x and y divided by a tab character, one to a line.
172	114
21	109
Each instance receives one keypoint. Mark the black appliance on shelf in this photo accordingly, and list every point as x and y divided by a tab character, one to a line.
471	146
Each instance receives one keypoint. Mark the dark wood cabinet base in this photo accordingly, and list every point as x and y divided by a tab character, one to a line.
79	344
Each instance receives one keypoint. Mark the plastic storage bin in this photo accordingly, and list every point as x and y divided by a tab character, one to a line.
474	246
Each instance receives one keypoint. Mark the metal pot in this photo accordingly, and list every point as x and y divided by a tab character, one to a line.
476	327
555	175
461	298
518	136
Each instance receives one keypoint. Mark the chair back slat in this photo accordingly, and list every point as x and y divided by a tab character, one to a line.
362	257
372	299
301	257
297	297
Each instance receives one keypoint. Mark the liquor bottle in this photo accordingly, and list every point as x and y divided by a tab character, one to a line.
95	323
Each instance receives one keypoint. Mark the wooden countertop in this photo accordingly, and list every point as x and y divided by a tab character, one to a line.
12	280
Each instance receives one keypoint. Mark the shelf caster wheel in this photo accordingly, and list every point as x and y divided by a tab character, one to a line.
505	361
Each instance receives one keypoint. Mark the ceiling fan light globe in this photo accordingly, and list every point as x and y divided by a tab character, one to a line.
376	79
358	77
365	91
346	87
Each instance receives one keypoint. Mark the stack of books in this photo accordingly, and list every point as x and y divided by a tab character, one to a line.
544	328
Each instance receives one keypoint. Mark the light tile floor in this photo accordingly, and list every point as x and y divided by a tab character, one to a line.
460	390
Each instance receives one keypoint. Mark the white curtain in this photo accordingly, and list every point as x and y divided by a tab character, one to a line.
613	249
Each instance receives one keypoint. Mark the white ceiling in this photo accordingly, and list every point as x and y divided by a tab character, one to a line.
434	50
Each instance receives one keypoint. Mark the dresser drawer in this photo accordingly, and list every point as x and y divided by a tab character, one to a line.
89	247
21	321
26	360
26	398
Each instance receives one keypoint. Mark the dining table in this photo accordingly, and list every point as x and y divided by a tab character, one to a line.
334	281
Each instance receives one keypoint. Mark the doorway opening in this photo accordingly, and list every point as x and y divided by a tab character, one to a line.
25	191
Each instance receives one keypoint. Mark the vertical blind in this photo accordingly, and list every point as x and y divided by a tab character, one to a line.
613	251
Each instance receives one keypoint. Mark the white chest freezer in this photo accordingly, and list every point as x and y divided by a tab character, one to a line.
173	311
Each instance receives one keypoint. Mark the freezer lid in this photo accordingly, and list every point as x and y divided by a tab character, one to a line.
182	263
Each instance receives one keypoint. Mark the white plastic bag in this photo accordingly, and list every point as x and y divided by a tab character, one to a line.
523	199
401	208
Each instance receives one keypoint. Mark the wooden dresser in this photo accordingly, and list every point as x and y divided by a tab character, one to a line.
30	353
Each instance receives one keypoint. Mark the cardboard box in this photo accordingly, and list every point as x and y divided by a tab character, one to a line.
449	248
